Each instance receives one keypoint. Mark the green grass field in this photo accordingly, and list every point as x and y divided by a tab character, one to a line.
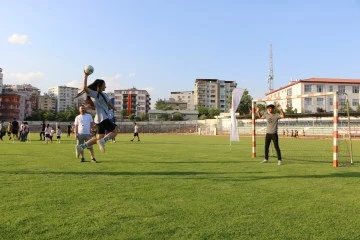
177	187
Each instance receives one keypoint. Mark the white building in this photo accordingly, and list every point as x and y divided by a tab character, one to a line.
317	85
65	97
213	93
132	100
184	96
1	80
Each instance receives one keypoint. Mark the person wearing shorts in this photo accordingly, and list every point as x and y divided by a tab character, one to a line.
82	130
102	104
136	132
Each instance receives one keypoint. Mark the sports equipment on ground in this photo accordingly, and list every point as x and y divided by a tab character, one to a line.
89	69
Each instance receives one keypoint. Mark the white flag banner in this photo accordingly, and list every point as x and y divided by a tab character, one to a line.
236	98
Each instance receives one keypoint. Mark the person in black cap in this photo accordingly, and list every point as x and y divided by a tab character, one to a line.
271	129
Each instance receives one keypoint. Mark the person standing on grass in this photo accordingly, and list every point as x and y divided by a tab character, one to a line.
58	134
95	92
47	133
69	130
9	130
272	119
82	131
136	132
42	131
2	130
15	129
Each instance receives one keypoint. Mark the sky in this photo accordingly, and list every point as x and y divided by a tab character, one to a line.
164	45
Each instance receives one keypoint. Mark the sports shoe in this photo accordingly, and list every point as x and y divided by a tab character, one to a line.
78	150
265	161
279	162
101	144
82	160
93	160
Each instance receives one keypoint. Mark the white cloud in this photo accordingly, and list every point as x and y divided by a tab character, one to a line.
18	39
36	79
29	77
132	75
75	84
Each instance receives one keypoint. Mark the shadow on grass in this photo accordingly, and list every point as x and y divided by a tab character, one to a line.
187	173
214	176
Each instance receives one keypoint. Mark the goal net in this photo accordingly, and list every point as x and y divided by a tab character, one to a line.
307	139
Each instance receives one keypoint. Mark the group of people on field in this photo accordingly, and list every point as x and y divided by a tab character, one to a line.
14	130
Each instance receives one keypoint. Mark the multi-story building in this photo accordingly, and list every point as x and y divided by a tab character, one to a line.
132	100
65	97
313	86
1	80
47	102
177	105
18	101
10	106
213	93
184	96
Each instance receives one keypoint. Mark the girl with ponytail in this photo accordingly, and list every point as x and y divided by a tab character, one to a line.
100	102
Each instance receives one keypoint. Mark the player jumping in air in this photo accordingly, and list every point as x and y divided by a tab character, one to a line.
102	104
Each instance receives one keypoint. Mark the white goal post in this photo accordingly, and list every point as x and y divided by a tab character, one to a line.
335	120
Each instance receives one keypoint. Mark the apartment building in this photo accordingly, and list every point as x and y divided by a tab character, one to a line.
18	101
183	96
65	97
133	100
47	102
213	93
347	88
1	80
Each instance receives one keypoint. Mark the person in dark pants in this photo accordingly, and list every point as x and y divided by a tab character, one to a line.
42	131
271	129
69	129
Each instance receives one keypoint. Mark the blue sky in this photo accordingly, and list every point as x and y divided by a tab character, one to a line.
164	45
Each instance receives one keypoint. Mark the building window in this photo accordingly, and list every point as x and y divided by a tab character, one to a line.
355	89
319	88
307	88
342	101
289	92
308	101
341	88
331	101
289	102
355	102
331	88
320	101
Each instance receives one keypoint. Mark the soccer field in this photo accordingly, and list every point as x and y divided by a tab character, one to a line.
177	187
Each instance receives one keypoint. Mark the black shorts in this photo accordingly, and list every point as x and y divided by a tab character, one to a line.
106	125
136	134
14	131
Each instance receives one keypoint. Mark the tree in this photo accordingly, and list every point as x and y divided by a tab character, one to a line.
203	111
213	112
177	117
123	113
289	109
244	107
162	105
163	117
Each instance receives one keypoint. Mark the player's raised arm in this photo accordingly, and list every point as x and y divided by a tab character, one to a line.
258	112
282	114
85	86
